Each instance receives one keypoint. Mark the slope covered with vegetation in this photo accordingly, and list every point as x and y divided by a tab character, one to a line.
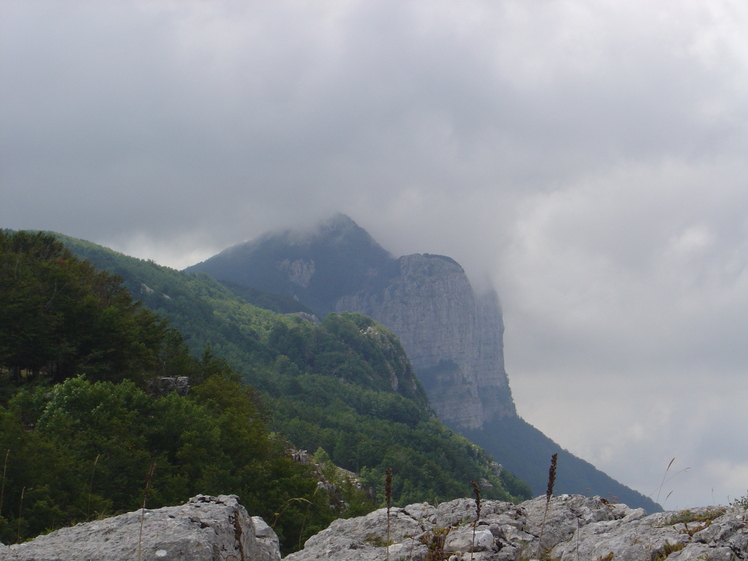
81	424
345	386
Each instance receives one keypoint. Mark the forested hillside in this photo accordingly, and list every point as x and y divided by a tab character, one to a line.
345	386
82	424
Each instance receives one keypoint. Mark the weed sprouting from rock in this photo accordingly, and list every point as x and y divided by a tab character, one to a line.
476	490
148	480
548	495
388	496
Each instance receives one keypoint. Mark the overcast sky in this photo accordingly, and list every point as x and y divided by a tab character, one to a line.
589	158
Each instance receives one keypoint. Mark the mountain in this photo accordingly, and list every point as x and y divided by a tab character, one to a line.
343	385
452	336
305	265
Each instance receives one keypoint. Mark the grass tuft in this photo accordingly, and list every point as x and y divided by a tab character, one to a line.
434	540
666	550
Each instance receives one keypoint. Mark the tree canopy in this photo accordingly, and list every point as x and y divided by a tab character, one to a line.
80	425
60	317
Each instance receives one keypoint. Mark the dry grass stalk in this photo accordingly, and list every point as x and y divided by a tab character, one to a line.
551	478
2	489
306	514
476	490
148	479
657	500
548	495
90	487
388	496
20	512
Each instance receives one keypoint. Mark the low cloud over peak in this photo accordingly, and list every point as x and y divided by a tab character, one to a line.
586	157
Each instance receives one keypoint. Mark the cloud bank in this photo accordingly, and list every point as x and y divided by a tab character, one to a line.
585	157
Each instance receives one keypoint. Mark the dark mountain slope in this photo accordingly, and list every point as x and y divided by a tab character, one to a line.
503	438
317	267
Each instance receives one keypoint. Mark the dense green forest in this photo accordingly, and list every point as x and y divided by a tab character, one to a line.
82	422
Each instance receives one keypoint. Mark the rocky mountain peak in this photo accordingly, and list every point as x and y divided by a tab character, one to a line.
337	231
452	337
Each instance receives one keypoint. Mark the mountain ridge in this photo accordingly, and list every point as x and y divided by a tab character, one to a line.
321	394
453	337
307	270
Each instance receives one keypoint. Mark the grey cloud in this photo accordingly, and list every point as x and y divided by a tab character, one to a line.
588	158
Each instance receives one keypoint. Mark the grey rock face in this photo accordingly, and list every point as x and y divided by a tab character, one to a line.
164	385
452	337
576	528
204	529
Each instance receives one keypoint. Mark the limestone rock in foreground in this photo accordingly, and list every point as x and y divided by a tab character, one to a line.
577	528
204	529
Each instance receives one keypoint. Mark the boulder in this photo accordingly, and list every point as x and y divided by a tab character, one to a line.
204	529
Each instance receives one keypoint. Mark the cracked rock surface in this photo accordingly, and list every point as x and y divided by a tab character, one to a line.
204	529
576	528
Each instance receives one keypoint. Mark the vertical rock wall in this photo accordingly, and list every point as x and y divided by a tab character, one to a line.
452	337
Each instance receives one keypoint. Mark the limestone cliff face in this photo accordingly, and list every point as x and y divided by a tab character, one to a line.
452	337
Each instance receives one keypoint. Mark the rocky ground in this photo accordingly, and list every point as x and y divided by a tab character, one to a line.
576	528
204	529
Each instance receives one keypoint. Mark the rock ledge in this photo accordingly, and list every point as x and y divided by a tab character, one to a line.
204	529
577	528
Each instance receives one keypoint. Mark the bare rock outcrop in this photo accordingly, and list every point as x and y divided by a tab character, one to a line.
453	337
204	529
576	528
